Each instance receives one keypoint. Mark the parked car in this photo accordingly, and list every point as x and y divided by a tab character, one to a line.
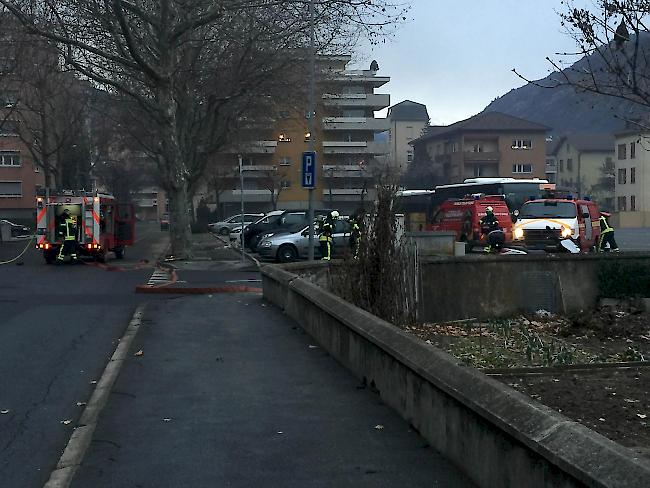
17	230
235	236
275	221
225	226
164	221
292	244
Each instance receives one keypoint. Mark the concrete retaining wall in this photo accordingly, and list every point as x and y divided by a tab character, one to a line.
504	286
498	436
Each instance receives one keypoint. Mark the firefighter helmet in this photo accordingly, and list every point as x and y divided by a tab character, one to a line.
334	214
489	210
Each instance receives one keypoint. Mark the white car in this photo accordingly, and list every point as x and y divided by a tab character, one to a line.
235	236
225	226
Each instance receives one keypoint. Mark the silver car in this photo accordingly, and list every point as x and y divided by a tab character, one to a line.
290	245
225	226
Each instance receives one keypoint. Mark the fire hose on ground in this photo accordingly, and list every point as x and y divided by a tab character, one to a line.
29	243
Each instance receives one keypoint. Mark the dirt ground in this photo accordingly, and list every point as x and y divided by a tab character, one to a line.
614	400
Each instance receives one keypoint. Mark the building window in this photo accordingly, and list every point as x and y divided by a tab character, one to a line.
409	156
454	147
632	203
522	168
285	161
632	150
9	128
285	184
9	98
37	168
622	153
632	174
11	189
569	164
562	165
609	164
9	158
522	144
622	176
477	148
622	204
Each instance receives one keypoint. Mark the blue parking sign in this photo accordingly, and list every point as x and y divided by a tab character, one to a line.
309	169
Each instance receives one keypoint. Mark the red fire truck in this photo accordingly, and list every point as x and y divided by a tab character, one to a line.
103	225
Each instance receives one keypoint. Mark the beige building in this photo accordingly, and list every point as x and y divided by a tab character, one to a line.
585	166
632	189
348	154
490	144
408	120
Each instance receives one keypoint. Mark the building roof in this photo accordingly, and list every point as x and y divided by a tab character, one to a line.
408	110
485	121
585	142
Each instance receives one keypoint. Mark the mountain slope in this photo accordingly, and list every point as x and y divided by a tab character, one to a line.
563	108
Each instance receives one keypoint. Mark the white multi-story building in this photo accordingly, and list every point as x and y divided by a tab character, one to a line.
632	190
407	122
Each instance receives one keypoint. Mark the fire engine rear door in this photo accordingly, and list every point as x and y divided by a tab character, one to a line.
124	225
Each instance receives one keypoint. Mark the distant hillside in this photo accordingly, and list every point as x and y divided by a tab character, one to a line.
563	109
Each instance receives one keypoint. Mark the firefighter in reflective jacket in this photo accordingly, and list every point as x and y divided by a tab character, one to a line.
489	223
68	227
325	235
355	237
606	234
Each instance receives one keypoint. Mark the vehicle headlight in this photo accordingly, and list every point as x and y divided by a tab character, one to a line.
518	233
265	244
566	232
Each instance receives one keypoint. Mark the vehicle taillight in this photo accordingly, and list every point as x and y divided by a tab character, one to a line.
90	246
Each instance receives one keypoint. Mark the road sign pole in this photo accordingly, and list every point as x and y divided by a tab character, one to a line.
311	122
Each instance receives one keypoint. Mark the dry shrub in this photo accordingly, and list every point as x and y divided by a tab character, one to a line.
382	279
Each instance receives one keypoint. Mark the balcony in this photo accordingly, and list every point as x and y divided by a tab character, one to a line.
253	147
349	194
343	171
356	123
230	196
255	170
364	100
551	168
374	148
482	157
360	76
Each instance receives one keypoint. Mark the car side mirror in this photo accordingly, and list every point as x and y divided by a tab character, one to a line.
585	215
514	216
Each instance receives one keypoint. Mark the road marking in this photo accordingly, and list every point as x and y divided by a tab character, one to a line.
81	437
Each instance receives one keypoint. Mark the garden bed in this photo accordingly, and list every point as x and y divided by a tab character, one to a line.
593	368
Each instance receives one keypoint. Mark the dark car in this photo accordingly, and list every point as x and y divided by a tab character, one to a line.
17	231
271	222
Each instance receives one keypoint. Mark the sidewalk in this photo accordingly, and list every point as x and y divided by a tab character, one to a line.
230	392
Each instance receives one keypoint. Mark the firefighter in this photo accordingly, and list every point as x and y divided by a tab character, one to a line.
325	235
606	234
488	224
355	237
69	231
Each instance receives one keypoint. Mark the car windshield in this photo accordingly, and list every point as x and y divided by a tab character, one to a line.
548	209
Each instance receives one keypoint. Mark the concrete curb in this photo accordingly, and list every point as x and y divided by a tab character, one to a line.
82	435
496	435
205	290
248	256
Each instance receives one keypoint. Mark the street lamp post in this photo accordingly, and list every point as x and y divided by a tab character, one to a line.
241	199
311	121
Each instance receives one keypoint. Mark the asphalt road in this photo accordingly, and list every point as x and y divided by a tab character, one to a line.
59	324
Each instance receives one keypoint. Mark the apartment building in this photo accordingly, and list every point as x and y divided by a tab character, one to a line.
584	165
632	187
348	154
19	177
407	120
490	144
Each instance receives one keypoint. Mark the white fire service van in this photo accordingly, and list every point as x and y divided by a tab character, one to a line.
103	225
543	224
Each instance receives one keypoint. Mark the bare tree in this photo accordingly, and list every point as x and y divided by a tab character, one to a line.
613	38
193	66
273	180
220	178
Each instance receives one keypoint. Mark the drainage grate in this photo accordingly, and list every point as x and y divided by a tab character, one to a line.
538	291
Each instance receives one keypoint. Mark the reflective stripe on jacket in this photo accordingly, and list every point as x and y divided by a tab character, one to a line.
604	225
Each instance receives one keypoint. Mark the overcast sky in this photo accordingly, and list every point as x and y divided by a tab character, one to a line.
456	56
